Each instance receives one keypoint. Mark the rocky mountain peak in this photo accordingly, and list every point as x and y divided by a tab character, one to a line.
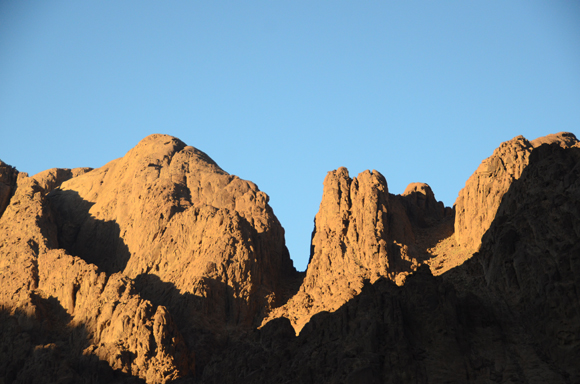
479	200
361	233
161	267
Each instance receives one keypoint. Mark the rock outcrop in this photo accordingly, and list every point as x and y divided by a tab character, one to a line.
361	233
54	177
478	202
423	332
421	206
128	332
201	242
37	278
160	267
509	314
160	230
8	178
531	254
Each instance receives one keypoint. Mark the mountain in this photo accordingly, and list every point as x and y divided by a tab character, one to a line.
161	267
361	233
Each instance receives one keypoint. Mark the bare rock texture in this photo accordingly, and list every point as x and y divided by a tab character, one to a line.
41	347
361	233
509	314
423	332
202	243
421	206
478	202
531	254
166	209
36	278
131	334
54	177
159	267
8	178
118	326
25	228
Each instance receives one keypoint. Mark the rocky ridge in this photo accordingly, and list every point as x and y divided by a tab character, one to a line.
160	266
361	233
479	201
510	313
37	279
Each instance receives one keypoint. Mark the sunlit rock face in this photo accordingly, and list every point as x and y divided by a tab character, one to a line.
160	267
161	230
203	243
167	210
478	202
55	299
362	233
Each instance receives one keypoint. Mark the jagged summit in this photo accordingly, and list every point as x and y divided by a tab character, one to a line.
183	233
161	266
361	233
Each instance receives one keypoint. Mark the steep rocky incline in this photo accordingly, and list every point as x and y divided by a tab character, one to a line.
162	230
479	200
8	177
201	242
54	177
531	254
423	332
361	233
166	213
511	313
159	267
41	285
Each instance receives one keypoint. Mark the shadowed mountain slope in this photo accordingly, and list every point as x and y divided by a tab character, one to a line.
510	314
362	232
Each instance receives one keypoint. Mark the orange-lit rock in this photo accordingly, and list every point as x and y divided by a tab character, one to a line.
478	202
361	233
160	266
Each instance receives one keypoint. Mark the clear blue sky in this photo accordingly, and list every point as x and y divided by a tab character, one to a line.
280	93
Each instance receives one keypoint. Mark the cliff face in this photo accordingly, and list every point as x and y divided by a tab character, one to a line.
361	233
508	314
531	254
169	217
479	201
41	284
160	266
160	230
8	177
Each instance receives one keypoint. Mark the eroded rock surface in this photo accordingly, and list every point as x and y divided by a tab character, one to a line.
423	332
361	233
201	242
115	324
159	266
54	177
508	314
531	254
128	332
478	201
8	178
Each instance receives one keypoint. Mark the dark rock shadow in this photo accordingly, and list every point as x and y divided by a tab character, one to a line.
80	234
421	332
530	255
420	224
513	316
42	347
8	181
208	324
